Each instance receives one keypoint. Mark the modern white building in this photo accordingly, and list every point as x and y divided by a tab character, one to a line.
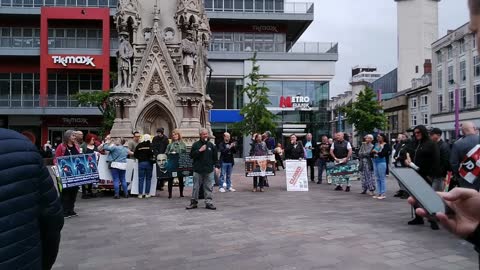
362	77
417	26
456	68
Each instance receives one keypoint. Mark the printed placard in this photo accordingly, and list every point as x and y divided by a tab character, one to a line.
260	166
296	175
77	170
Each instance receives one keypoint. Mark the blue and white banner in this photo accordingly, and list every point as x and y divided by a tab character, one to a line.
77	170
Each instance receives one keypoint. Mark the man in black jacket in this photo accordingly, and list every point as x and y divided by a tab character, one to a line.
439	179
204	155
31	215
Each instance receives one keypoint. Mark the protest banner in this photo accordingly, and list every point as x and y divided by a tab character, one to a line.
104	174
338	173
296	175
77	170
153	184
260	166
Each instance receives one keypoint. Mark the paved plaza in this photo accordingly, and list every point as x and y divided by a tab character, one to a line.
319	229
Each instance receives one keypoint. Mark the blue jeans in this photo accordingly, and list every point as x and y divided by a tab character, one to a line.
380	169
226	173
322	166
145	169
119	176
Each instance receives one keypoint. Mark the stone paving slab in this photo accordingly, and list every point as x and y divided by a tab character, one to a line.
275	230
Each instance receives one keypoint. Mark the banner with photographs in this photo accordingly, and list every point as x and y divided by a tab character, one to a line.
260	166
173	165
296	174
77	170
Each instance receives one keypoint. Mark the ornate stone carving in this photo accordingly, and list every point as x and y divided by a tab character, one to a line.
168	68
156	87
189	50
125	54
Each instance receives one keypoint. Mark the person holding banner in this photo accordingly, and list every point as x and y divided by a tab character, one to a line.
68	147
259	148
89	147
341	151
117	156
144	154
174	149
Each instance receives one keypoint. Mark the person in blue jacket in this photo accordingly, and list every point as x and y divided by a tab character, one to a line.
31	214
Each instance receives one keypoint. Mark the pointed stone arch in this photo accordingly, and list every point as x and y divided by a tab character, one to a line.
155	115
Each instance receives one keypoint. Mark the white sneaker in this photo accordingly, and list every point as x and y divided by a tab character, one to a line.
231	190
140	196
381	197
147	196
221	189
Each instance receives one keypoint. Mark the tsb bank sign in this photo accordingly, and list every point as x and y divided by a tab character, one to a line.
296	102
76	60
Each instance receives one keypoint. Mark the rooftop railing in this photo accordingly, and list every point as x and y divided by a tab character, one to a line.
264	47
59	3
259	6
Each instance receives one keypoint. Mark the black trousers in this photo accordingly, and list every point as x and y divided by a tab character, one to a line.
180	186
87	189
258	181
311	165
69	196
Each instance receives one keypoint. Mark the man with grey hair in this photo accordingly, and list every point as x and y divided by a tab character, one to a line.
461	148
204	155
341	151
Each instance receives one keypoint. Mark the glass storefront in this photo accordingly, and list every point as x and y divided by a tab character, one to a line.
225	93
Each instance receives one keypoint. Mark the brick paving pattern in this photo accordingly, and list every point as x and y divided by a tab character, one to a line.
319	229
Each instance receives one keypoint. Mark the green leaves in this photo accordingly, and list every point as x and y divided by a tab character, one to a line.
366	113
100	100
256	116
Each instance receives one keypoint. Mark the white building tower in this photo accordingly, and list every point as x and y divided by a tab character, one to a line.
417	29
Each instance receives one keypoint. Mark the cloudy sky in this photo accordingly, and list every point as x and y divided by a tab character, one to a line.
366	32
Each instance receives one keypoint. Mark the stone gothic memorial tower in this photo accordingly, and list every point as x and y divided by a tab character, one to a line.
162	67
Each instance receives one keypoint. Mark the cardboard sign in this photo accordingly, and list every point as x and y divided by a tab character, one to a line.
296	175
77	170
260	166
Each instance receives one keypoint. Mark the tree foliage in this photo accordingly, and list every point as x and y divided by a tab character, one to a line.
100	100
366	113
256	116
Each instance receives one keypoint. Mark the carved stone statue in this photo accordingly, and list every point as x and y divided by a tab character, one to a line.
189	50
125	54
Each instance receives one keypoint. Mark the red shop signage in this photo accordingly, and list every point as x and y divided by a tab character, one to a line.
73	121
61	61
259	28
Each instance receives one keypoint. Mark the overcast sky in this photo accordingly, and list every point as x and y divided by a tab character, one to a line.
366	32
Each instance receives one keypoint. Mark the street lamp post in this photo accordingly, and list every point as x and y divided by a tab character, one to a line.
457	112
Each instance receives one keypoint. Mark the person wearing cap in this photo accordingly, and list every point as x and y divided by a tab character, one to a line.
159	146
439	179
